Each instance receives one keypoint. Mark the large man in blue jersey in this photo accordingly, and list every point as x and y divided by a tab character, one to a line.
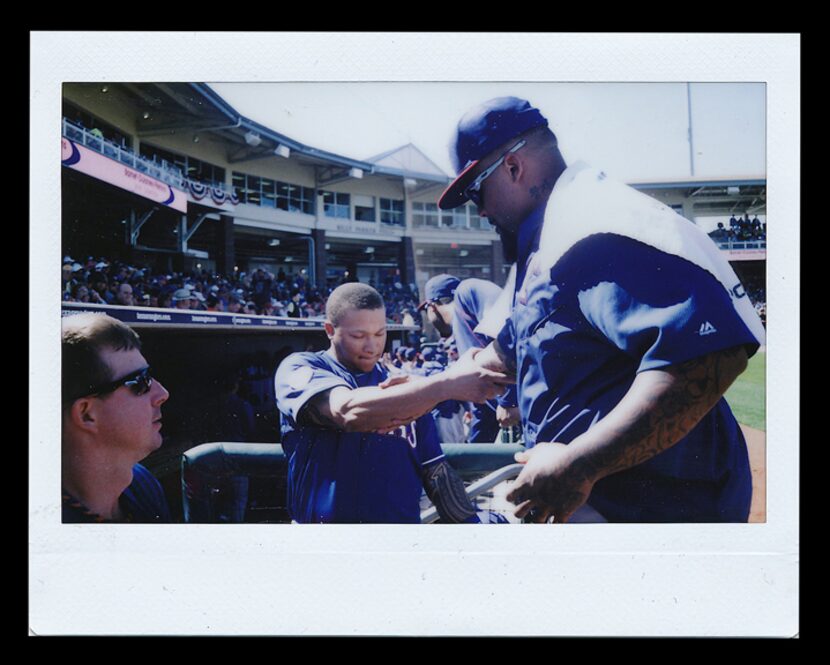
361	446
627	328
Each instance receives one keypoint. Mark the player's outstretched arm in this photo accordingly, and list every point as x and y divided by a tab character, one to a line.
492	357
659	409
376	409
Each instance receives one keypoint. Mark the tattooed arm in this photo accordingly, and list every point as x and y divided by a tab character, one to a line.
659	409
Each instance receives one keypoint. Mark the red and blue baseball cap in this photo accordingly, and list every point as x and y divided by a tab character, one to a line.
481	131
440	286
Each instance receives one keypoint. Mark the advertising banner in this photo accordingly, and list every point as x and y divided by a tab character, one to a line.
115	173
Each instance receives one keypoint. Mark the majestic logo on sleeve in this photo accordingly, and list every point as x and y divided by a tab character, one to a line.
706	328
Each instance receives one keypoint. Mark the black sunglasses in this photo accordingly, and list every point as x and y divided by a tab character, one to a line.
139	382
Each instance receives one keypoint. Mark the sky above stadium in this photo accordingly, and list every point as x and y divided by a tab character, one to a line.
635	131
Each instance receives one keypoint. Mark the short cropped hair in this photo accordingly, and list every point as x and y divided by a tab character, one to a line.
353	295
83	337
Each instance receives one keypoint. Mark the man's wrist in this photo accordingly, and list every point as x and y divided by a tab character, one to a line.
439	386
584	461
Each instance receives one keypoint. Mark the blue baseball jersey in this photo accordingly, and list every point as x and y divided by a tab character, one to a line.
471	300
348	477
447	408
581	331
142	502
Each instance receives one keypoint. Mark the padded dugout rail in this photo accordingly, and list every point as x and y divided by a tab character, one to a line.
245	482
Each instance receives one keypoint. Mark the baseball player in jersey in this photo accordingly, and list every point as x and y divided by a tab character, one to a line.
456	308
627	328
449	414
361	446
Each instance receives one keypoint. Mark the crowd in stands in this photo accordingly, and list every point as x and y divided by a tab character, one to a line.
260	292
741	229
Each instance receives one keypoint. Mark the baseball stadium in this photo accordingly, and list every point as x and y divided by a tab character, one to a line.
219	239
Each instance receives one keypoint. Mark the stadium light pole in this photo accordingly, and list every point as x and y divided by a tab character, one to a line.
691	135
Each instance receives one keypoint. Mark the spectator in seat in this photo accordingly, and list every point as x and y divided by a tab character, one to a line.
125	295
181	299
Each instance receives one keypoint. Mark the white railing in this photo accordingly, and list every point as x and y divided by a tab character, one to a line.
741	244
164	171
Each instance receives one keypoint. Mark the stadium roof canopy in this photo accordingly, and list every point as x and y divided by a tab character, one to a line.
711	197
166	108
169	108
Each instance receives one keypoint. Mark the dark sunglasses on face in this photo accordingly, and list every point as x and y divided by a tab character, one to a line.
139	382
473	190
444	300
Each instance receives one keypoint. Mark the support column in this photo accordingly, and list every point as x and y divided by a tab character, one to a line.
496	263
320	257
406	260
689	210
225	255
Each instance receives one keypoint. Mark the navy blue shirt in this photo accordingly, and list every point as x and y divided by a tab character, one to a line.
142	502
348	477
609	308
472	298
447	408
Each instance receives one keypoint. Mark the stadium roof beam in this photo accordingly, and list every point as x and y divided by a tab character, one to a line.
135	225
181	100
147	98
420	187
196	224
194	126
331	175
249	155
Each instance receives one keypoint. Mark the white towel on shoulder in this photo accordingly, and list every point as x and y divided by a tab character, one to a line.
585	202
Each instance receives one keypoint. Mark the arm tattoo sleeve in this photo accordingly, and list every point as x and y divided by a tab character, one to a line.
446	490
667	411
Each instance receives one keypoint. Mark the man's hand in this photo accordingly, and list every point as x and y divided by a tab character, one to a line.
508	416
549	488
467	381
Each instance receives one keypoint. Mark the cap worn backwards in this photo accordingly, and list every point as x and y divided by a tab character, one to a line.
481	131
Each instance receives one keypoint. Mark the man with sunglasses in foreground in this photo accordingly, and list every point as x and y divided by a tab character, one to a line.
111	420
627	326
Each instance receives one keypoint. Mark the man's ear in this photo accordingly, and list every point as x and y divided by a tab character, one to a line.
515	167
329	328
83	414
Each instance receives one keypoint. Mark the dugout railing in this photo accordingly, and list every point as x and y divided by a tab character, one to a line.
225	482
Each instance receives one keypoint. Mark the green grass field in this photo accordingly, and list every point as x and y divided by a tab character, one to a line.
747	395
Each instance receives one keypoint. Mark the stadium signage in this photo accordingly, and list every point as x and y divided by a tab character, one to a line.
196	319
96	165
146	316
357	228
746	254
